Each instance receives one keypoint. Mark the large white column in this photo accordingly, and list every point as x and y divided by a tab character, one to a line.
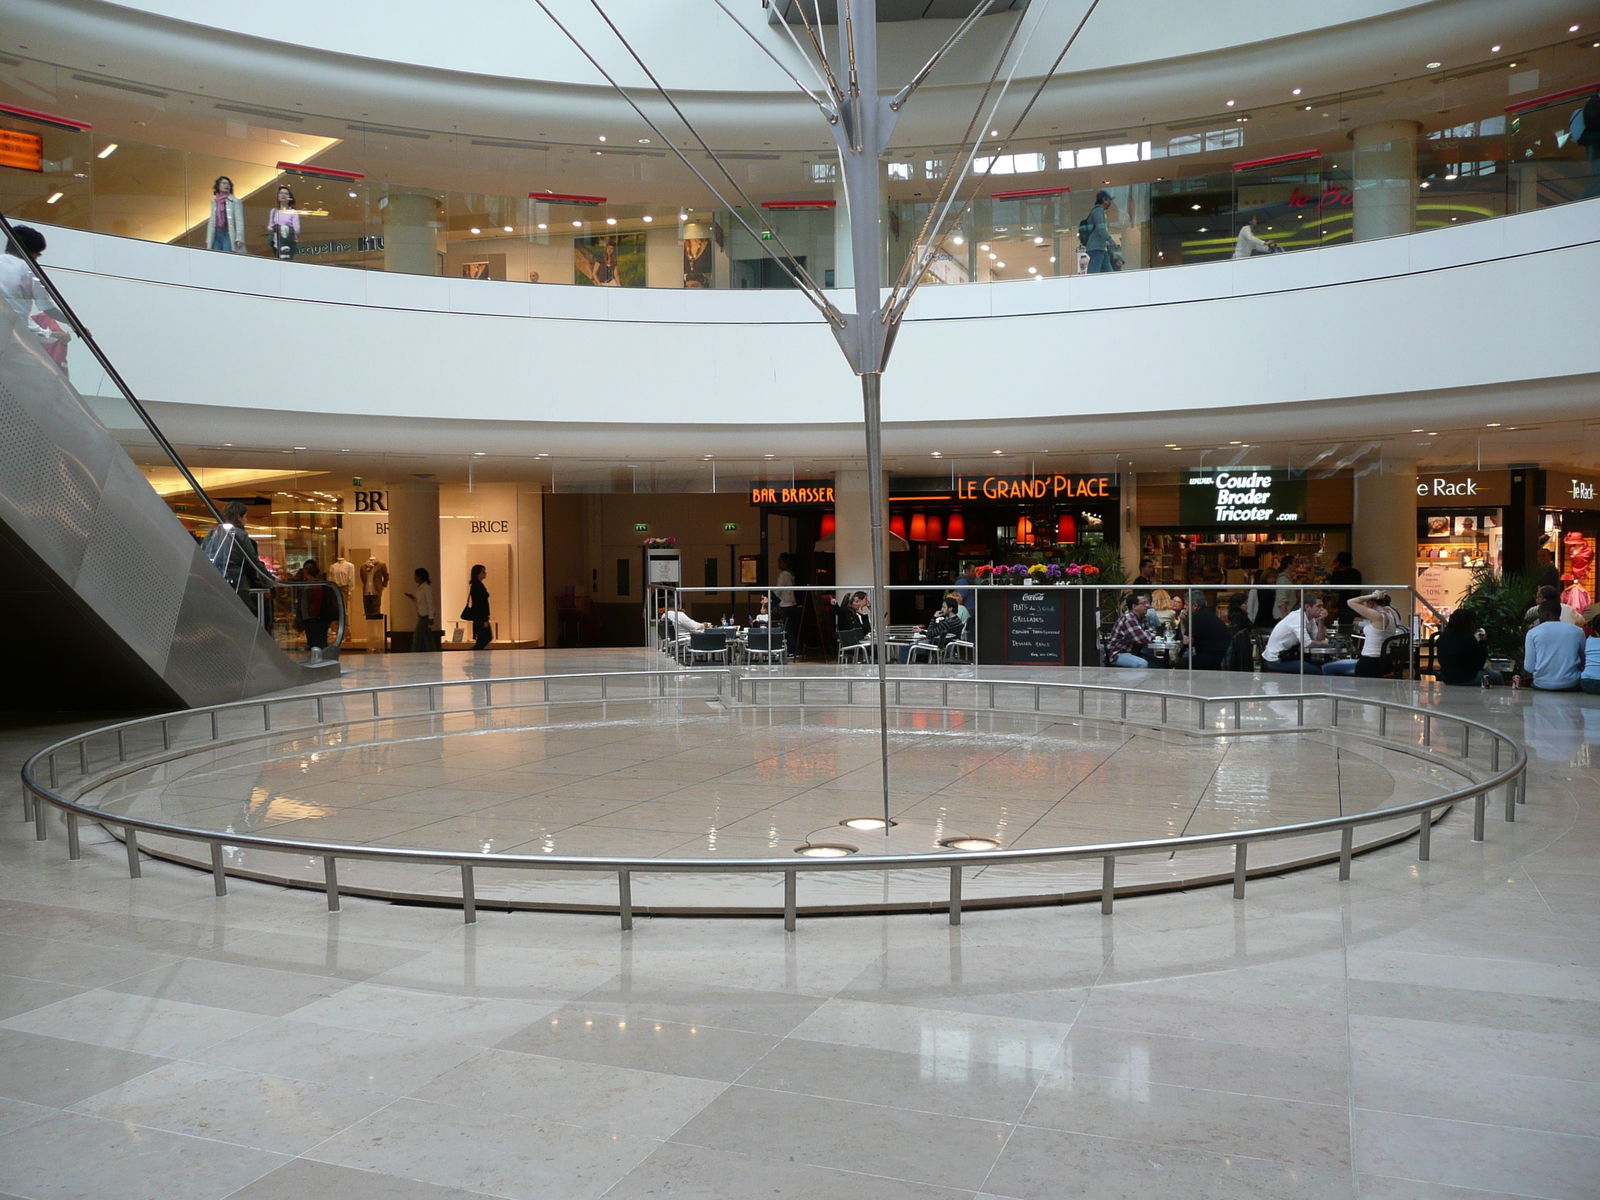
411	225
413	543
852	535
1384	178
1383	538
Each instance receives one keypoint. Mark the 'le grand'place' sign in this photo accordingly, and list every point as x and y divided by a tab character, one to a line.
1241	496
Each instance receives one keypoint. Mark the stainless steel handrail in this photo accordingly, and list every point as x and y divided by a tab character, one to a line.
38	796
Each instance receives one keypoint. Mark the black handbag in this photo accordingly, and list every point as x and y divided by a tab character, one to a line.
466	613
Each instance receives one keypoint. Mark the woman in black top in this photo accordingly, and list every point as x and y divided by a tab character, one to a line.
477	610
1463	651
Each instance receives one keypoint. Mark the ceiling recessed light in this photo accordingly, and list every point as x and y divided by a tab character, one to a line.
826	850
1494	425
993	257
644	141
1033	270
475	229
479	453
970	843
1433	433
1572	29
1195	207
1230	103
1433	66
647	218
1494	49
111	148
1416	431
994	133
508	229
867	823
769	456
577	224
683	216
937	454
983	245
53	197
958	240
299	447
998	452
999	266
611	220
602	137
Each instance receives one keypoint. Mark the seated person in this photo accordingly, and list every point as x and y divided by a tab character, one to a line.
961	608
1568	614
1177	612
1553	652
1589	681
760	619
1463	648
682	622
1207	636
854	621
1290	636
1380	622
1239	612
1126	643
945	626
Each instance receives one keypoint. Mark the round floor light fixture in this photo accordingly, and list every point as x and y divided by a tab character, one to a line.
964	842
867	823
826	849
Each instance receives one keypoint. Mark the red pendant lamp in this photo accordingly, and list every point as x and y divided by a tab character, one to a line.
957	531
919	526
1066	529
829	524
935	528
897	525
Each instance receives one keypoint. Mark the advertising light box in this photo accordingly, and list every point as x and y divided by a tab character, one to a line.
1241	496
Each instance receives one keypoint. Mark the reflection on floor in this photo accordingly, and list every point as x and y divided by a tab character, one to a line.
1426	1030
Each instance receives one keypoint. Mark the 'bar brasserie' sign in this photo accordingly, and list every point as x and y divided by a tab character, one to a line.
1241	496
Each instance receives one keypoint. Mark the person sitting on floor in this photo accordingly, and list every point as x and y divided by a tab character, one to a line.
1463	649
1553	651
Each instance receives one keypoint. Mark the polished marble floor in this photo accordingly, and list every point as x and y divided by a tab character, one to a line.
1426	1030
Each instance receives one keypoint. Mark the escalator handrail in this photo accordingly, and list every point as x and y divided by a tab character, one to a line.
82	331
338	599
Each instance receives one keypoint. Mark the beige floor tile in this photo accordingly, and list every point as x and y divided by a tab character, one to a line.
357	1060
301	1178
726	1175
143	1024
585	1035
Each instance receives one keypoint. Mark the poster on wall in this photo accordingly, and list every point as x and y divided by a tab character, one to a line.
697	262
475	270
610	260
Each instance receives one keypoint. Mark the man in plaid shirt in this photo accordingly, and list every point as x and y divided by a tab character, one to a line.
1130	635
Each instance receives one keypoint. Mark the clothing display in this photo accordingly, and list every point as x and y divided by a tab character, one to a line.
374	578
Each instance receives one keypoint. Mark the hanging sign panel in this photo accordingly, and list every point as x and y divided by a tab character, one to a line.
1241	496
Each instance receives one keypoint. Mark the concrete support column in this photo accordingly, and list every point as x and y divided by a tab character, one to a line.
852	536
1384	178
411	225
413	543
1383	540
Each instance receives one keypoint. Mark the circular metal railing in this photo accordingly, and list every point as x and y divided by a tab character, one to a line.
92	760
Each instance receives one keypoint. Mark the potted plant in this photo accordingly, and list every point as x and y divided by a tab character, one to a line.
1501	604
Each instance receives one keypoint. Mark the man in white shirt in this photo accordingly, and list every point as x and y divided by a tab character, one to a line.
1301	628
788	606
1248	243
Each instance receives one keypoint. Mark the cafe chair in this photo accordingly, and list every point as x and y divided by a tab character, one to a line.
707	646
854	646
1397	657
1100	638
958	650
923	651
766	646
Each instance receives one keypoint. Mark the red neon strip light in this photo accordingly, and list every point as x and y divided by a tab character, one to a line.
1566	95
791	204
28	114
1250	164
1055	191
328	172
562	198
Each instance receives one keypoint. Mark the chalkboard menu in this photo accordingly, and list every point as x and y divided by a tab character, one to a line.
1034	626
1037	626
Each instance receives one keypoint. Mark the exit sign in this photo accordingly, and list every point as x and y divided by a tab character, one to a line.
731	526
641	527
766	235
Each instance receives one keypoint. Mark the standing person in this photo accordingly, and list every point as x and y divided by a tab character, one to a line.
1463	649
1553	651
225	224
425	637
19	286
1287	599
1097	239
283	226
314	607
232	551
788	606
477	609
1343	574
1549	573
1249	244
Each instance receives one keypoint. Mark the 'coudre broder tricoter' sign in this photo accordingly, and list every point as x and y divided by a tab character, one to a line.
1241	496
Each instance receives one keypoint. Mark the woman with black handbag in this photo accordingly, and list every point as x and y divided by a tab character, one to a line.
477	609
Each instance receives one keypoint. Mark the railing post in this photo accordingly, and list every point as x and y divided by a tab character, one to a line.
1427	729
41	831
1466	740
1239	851
1334	720
469	896
1383	720
28	802
1108	884
1163	710
1238	714
1347	845
320	717
266	718
130	843
374	703
1038	695
1124	705
1479	803
330	876
1083	699
955	895
166	734
605	680
1425	835
625	899
433	702
52	761
219	877
122	748
788	900
214	725
83	756
1522	787
74	850
1300	710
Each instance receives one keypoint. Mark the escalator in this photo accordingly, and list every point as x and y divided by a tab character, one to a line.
106	599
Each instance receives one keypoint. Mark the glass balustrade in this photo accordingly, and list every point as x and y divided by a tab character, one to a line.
1310	172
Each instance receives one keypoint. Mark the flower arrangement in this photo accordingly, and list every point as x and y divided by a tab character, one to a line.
983	573
1018	572
656	543
1038	571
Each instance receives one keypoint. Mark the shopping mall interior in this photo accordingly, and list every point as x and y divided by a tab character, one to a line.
1056	697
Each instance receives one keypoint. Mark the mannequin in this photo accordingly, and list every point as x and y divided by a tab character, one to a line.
283	225
342	571
374	578
225	225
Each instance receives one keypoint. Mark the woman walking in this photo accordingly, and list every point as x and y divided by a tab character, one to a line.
477	609
425	637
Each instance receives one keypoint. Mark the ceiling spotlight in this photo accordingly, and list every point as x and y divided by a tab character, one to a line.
111	148
602	137
1000	266
475	229
508	229
1296	92
1230	103
1494	49
867	823
611	220
970	843
1433	66
683	216
826	849
983	245
1494	424
958	240
542	225
577	224
647	218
